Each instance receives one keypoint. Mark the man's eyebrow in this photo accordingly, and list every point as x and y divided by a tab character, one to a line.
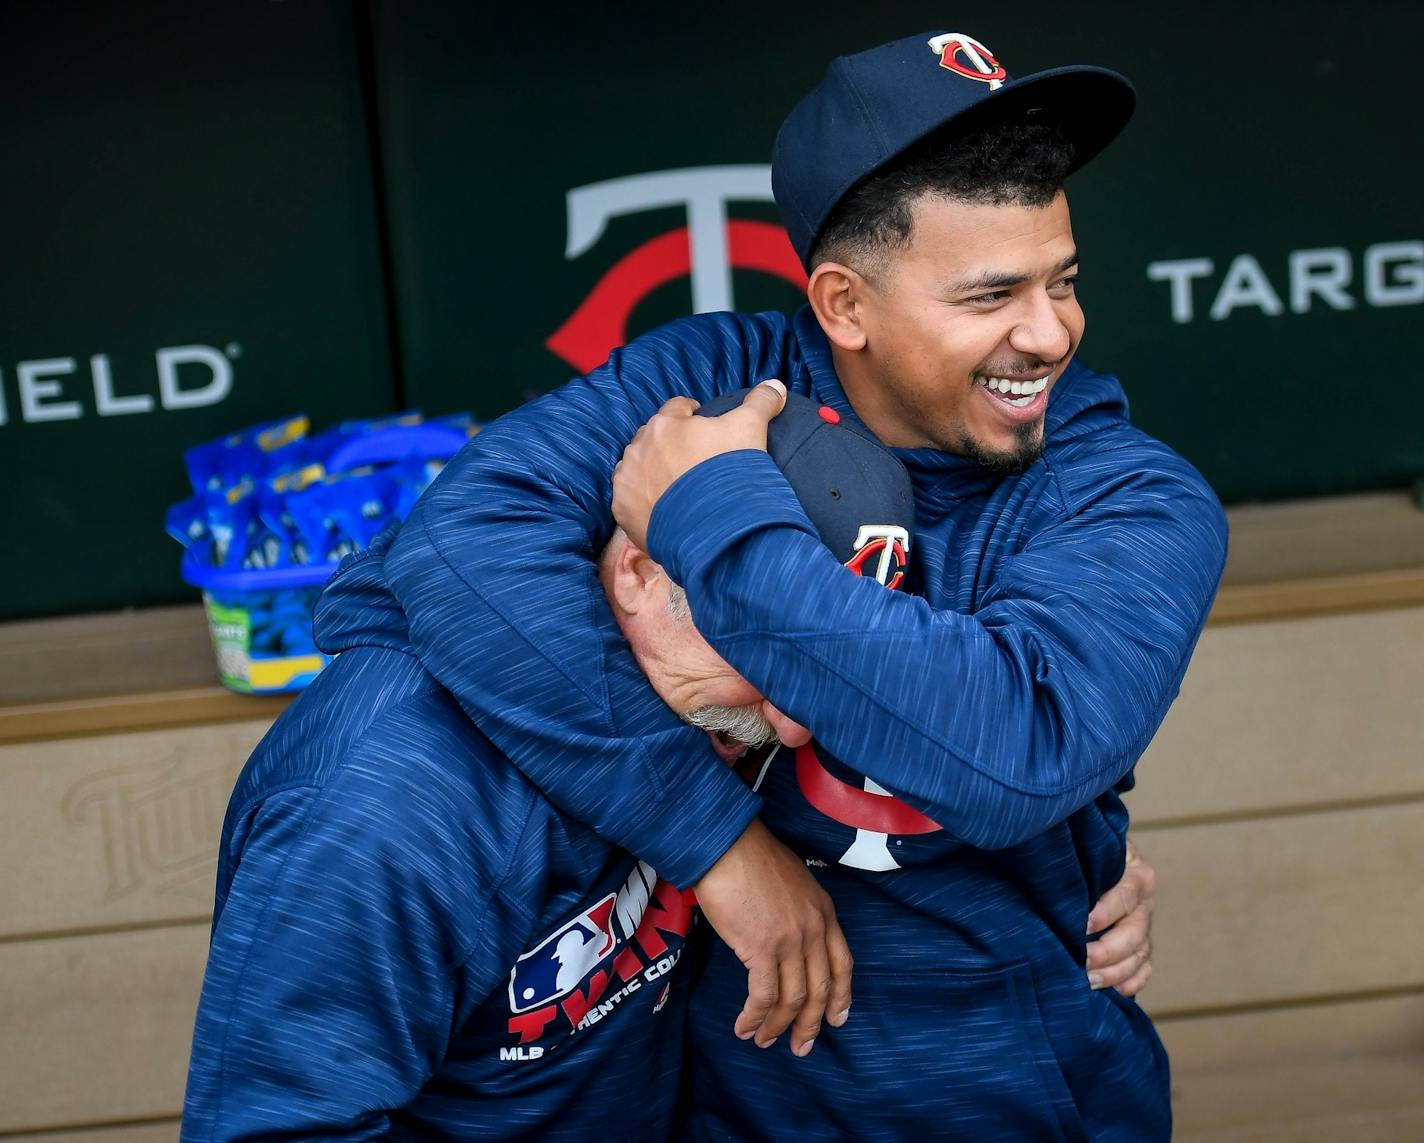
989	280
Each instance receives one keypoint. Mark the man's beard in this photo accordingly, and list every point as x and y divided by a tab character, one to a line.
1027	448
739	722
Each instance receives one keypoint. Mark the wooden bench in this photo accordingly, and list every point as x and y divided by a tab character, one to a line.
1282	803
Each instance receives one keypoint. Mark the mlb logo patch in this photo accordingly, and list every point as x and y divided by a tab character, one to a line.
563	959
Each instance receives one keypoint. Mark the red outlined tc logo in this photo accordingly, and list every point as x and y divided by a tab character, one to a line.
891	544
966	56
708	248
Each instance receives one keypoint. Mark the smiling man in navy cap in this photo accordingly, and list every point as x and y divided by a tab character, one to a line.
961	801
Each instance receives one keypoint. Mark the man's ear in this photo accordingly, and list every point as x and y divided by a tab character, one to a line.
635	579
837	293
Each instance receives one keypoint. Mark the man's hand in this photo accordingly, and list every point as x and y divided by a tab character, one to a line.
782	925
675	440
1119	958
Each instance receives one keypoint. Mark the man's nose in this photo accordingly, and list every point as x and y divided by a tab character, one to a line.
1042	333
790	732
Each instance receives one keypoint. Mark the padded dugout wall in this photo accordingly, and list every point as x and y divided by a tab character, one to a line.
190	245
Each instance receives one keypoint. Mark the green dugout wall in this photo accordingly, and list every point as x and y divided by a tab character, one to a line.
190	245
215	214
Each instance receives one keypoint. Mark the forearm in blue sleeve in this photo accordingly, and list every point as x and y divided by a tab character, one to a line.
998	723
495	571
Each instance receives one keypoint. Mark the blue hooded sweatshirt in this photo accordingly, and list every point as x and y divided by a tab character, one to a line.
409	942
962	803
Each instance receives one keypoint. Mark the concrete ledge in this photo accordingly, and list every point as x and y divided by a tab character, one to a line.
30	722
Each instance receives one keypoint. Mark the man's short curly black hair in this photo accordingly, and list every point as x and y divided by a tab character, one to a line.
1007	163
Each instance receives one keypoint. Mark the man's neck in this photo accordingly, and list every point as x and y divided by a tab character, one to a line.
868	398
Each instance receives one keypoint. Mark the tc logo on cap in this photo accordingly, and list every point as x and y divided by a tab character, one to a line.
981	62
888	541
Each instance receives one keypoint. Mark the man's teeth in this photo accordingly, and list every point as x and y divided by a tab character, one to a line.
1024	391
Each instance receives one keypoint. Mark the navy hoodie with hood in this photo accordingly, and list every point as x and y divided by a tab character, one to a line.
997	716
409	941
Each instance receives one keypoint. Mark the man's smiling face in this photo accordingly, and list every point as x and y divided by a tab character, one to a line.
966	330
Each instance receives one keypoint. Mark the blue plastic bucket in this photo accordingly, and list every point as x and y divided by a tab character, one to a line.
260	623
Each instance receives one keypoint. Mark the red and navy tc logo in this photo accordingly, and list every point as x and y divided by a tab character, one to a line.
888	545
966	56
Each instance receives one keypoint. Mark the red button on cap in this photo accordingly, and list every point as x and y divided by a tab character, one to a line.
829	415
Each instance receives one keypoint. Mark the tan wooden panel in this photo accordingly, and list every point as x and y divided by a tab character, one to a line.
1318	595
97	1028
1342	1127
1308	1034
117	829
145	650
1330	536
1378	1099
1292	713
1307	906
165	1132
1345	1070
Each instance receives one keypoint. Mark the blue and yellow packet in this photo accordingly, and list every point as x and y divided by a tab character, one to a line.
342	512
250	454
273	510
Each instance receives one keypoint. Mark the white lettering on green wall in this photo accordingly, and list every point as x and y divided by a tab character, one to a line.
54	388
1390	274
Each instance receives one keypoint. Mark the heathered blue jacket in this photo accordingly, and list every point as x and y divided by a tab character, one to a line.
1009	703
409	942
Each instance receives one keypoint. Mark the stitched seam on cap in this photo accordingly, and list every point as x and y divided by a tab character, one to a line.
880	138
796	206
785	462
865	110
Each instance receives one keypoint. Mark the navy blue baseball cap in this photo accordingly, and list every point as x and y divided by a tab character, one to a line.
876	104
849	484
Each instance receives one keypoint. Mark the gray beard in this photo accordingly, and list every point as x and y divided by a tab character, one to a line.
739	722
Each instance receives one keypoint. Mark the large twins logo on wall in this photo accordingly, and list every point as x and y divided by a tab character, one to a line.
707	249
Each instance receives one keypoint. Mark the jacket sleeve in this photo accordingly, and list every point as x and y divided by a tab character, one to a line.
495	571
330	990
996	724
